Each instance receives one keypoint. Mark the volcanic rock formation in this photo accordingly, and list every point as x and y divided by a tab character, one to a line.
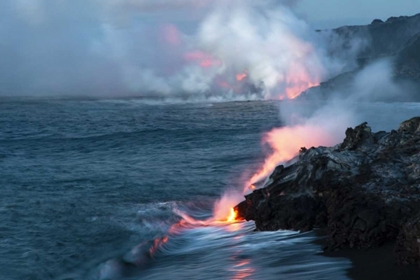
397	39
364	192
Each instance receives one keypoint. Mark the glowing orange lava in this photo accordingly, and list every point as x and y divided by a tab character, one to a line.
207	62
285	143
299	87
232	216
241	76
203	59
298	80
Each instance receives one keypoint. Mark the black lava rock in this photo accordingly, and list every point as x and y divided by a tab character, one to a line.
363	192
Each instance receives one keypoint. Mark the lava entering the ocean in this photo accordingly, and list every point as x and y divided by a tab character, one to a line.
233	216
285	144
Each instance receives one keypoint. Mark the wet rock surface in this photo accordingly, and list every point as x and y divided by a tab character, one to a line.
363	192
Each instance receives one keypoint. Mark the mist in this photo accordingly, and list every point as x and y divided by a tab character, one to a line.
167	49
370	97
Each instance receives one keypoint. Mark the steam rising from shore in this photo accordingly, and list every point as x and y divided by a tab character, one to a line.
323	123
313	123
228	50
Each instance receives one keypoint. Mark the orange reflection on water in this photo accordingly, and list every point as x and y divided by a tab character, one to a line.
234	227
243	270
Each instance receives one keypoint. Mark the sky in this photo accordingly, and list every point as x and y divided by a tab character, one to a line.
334	13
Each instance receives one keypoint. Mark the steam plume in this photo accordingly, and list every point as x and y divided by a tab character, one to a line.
316	123
154	48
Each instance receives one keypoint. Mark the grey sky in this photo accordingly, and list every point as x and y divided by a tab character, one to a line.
334	13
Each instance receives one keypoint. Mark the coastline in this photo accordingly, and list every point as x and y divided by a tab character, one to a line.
363	194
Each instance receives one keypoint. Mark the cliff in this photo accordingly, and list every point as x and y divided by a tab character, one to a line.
396	39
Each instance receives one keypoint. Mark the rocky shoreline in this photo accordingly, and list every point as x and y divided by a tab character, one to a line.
397	39
364	192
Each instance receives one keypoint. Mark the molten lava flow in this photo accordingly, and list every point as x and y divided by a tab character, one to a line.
203	59
223	211
295	85
292	80
285	143
298	80
208	62
241	76
298	88
232	216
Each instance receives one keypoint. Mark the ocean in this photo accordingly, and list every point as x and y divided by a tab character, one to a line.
99	189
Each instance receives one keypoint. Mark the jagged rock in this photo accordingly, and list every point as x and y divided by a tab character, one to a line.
410	126
377	21
397	39
383	39
363	192
354	137
394	19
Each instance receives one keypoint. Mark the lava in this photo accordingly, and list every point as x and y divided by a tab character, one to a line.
285	144
203	59
208	62
233	215
299	87
241	76
297	80
295	85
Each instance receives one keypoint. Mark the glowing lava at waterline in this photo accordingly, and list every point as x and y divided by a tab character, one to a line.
285	144
233	215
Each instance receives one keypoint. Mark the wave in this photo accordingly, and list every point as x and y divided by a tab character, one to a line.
196	247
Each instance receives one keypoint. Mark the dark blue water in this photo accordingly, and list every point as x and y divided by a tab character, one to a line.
86	185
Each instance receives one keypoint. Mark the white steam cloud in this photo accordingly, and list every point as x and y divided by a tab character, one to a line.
313	123
179	48
271	45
